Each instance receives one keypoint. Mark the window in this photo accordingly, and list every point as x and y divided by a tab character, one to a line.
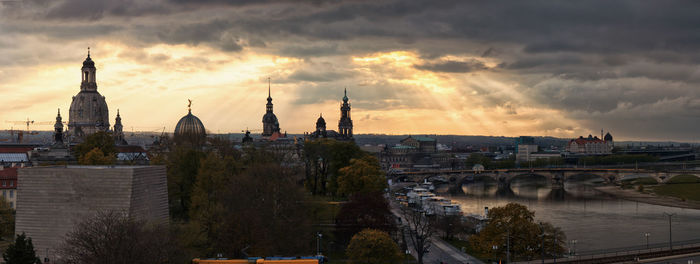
4	183
4	193
12	183
12	193
12	205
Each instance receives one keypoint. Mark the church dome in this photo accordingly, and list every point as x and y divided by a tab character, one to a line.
320	122
608	137
190	129
88	63
270	118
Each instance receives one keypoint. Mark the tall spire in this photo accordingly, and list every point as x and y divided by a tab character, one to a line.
269	94
88	52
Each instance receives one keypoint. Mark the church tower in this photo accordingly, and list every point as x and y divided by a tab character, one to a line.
58	131
321	127
88	111
119	131
270	123
345	123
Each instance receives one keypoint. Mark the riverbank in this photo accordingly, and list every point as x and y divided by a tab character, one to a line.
634	195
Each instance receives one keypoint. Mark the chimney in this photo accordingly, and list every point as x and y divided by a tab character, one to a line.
486	211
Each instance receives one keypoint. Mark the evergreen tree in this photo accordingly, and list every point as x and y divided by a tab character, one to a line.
21	251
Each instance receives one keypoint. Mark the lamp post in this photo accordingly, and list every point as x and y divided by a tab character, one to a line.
318	243
573	242
670	234
646	235
494	247
542	241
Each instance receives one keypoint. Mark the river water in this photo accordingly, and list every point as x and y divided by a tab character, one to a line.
595	220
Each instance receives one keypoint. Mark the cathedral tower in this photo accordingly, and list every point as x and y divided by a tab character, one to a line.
345	123
270	123
119	131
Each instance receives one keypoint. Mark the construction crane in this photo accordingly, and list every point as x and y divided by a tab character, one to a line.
27	122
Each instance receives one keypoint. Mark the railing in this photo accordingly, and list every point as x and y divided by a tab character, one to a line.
627	253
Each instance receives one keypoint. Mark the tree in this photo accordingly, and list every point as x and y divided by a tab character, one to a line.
100	140
421	229
263	213
207	213
513	230
21	251
115	237
96	157
450	225
372	246
364	210
323	158
7	220
183	165
362	175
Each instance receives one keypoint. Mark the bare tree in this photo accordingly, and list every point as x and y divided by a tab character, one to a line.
421	229
114	237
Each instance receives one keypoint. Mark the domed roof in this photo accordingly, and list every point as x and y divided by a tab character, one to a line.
190	128
320	121
270	118
608	137
88	63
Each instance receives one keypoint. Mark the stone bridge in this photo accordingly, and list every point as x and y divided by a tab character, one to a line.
553	175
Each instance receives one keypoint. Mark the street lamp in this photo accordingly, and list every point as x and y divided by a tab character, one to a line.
646	235
670	236
573	242
318	243
494	247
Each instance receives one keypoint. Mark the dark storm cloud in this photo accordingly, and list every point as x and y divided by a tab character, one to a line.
452	66
610	59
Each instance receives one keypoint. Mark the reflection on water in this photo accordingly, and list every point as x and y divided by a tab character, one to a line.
595	220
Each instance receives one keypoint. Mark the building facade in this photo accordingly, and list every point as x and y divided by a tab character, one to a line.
590	145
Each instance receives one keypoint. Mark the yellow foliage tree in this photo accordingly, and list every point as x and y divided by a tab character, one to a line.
371	246
97	157
362	175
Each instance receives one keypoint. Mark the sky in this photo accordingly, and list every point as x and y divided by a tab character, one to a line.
499	68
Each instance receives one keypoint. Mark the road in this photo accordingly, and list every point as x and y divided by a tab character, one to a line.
439	251
681	259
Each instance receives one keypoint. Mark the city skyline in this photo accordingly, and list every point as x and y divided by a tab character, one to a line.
628	69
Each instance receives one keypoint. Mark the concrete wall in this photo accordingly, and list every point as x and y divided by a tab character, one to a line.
54	199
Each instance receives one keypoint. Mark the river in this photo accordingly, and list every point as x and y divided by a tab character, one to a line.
595	220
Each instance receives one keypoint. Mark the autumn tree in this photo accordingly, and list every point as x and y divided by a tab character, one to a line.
323	158
364	210
372	246
21	251
115	237
362	175
513	230
96	157
102	141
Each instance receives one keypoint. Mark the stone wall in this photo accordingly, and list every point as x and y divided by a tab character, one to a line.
54	199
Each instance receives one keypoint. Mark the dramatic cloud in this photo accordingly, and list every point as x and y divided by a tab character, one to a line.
537	67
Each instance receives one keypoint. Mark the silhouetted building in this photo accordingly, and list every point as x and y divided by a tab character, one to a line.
344	132
88	111
119	131
270	123
345	123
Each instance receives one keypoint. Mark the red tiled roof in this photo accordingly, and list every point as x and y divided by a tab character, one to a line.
15	149
8	173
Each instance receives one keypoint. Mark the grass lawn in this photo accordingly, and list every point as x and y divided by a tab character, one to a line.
688	191
469	250
684	179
